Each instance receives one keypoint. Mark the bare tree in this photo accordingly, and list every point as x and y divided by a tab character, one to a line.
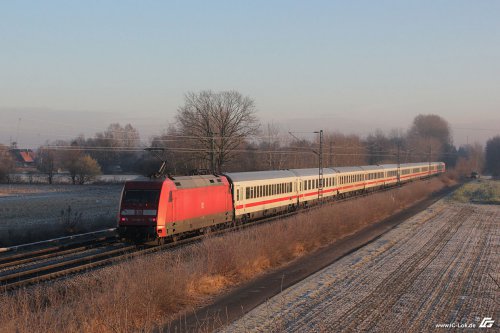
46	162
470	158
428	137
271	143
493	156
345	150
115	142
217	123
87	169
6	163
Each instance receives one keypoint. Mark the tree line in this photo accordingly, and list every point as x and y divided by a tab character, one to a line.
219	131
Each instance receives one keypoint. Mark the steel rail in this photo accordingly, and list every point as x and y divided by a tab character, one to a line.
46	253
64	267
53	240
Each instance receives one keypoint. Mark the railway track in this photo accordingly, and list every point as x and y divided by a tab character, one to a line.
26	268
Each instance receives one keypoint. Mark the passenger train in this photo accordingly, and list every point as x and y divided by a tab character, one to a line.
163	209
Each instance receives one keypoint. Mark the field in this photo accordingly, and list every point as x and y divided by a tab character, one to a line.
149	291
35	212
479	191
440	267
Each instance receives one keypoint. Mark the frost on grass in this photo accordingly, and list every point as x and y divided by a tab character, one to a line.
479	191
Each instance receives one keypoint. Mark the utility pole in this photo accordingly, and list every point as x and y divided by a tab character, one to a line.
269	146
399	162
320	165
330	157
212	152
320	161
430	155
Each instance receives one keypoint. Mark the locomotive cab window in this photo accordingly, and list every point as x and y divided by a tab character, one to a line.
141	198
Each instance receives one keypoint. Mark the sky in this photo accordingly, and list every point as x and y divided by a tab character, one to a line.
74	67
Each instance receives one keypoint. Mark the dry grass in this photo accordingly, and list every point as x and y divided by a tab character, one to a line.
479	191
147	292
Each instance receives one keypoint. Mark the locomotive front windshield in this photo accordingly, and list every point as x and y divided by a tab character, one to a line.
141	198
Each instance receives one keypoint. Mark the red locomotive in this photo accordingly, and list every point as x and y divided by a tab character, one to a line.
158	209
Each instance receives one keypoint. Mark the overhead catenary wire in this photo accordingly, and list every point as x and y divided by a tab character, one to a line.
201	150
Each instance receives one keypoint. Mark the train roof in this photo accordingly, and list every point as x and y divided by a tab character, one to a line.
372	167
198	181
312	172
348	169
259	175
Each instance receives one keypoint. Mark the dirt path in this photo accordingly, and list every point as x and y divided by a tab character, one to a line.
435	268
